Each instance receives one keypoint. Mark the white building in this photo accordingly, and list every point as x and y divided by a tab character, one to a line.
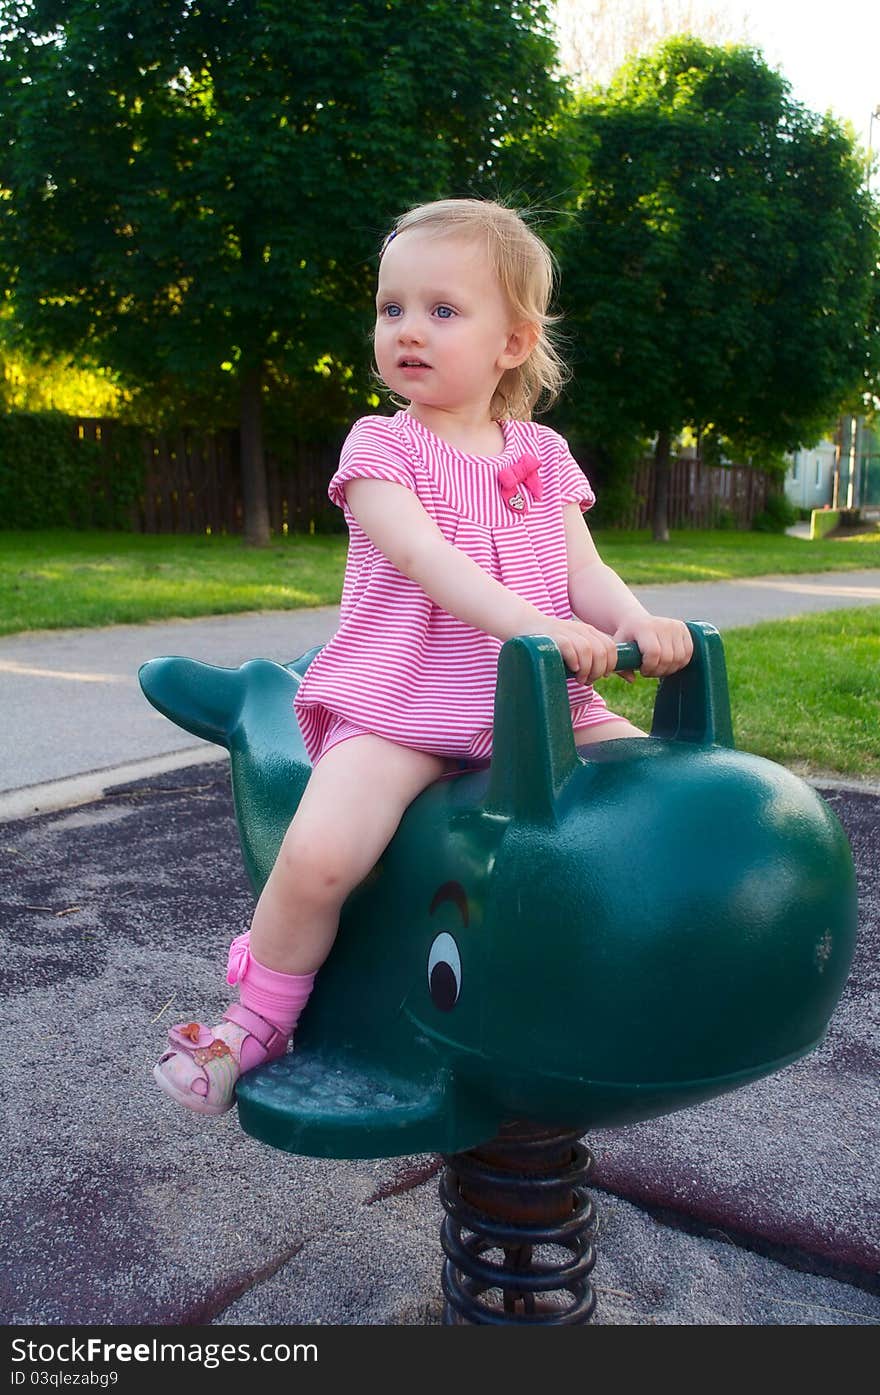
809	482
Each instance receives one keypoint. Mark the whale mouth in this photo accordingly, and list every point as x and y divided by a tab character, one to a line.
491	1065
439	1039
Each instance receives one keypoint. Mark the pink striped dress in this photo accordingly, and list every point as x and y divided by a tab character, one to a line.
401	667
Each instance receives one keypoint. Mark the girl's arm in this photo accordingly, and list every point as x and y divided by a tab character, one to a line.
397	524
599	597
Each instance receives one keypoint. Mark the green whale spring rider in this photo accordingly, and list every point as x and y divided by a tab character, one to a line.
574	940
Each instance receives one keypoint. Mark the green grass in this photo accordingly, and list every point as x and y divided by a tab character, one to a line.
65	579
717	555
803	692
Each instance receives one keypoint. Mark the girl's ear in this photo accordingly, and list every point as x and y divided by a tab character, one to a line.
521	340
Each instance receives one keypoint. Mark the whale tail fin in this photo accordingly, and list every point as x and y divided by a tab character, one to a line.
201	698
209	701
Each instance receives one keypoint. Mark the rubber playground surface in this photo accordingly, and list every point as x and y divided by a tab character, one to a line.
756	1208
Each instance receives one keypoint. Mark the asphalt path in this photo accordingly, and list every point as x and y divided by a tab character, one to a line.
75	720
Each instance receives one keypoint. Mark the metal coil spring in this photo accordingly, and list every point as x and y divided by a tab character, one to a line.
517	1194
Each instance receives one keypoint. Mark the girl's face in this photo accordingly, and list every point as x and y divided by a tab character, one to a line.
444	334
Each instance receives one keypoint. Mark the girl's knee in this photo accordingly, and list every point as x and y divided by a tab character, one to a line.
313	867
336	837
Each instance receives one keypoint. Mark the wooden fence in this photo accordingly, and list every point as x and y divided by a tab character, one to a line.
192	484
701	496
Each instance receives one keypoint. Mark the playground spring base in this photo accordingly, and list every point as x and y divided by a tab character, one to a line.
518	1231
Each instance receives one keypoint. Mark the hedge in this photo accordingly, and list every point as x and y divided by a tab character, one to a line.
52	477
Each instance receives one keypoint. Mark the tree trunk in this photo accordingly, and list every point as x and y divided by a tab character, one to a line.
253	460
661	486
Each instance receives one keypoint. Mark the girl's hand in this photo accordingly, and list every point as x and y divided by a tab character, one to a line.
666	645
587	653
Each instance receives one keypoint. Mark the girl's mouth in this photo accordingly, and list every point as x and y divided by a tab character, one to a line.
412	363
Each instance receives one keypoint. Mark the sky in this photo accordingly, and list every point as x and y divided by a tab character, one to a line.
829	52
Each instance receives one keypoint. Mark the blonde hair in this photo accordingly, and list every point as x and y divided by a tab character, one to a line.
526	273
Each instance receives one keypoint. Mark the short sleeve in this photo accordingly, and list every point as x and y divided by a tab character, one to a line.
574	487
372	451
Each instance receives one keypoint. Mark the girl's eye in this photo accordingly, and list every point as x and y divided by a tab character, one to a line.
392	311
444	312
444	973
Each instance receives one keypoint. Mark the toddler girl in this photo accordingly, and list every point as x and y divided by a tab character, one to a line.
465	528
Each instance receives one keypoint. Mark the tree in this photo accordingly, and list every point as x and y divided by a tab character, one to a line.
55	386
194	189
721	269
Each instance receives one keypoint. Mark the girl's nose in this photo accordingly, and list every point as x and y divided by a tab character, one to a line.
410	330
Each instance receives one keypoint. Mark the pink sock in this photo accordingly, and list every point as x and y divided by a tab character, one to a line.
280	998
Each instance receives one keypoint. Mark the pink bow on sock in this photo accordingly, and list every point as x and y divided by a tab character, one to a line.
523	471
239	958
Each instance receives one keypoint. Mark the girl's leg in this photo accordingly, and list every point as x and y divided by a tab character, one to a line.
351	807
612	730
353	802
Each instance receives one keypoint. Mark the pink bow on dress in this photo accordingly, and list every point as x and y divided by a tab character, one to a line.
524	471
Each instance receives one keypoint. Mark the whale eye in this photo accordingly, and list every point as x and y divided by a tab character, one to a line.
444	973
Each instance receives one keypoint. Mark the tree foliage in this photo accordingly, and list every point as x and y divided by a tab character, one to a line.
194	188
720	271
53	384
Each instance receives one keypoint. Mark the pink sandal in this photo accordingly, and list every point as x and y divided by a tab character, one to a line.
202	1070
